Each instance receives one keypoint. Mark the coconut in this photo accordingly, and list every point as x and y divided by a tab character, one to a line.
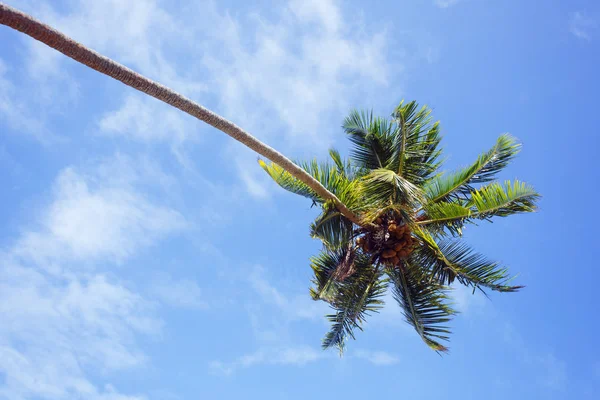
399	246
403	253
392	227
388	253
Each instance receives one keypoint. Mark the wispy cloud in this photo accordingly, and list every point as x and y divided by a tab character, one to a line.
136	33
551	372
446	3
95	219
181	293
15	112
466	301
582	25
288	356
378	358
146	119
292	307
297	356
61	316
285	78
555	372
297	67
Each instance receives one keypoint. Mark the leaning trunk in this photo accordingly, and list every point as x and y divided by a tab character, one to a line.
62	43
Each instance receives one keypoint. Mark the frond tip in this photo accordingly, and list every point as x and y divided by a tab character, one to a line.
459	184
353	299
423	304
496	200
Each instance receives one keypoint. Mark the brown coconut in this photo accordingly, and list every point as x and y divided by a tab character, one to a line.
388	253
399	246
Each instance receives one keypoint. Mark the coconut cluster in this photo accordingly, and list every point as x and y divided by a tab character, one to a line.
391	243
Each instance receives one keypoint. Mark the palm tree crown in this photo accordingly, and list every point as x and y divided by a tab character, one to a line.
411	222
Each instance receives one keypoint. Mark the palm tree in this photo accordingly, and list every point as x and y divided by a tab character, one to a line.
387	218
25	23
412	221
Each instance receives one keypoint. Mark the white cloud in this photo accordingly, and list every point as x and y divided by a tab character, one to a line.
135	33
466	301
146	119
15	112
581	25
290	78
446	3
293	307
62	319
92	220
183	293
299	71
57	328
325	13
378	358
288	356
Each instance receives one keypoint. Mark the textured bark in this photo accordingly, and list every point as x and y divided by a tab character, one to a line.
30	26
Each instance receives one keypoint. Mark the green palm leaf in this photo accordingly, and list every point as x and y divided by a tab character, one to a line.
423	304
492	200
416	143
452	259
288	182
335	180
331	227
383	186
459	184
496	200
353	300
371	138
445	216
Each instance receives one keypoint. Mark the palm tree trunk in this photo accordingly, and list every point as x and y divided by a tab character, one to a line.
62	43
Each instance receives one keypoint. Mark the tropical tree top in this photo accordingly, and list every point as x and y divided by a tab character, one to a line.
410	222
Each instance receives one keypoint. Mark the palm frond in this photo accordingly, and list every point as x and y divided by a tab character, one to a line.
353	300
416	143
324	266
423	303
496	200
492	200
446	216
371	138
330	176
331	227
452	259
288	182
460	184
382	187
338	161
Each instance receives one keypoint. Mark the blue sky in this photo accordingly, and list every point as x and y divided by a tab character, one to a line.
145	256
